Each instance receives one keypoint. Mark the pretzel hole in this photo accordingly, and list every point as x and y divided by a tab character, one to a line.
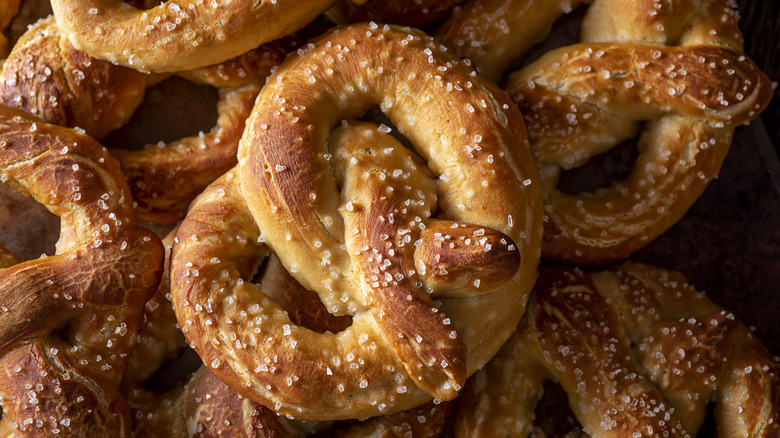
553	416
29	229
600	171
303	306
173	109
709	428
175	373
375	115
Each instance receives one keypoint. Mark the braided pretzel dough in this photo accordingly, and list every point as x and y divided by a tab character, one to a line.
179	35
579	101
638	350
46	77
69	320
357	372
493	33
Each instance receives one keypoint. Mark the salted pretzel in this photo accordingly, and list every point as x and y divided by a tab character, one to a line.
179	35
638	351
46	77
416	13
69	320
581	100
494	33
284	190
204	406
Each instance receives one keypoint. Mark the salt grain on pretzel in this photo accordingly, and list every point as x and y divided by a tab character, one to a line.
241	70
178	35
579	101
359	253
639	352
204	406
46	77
68	320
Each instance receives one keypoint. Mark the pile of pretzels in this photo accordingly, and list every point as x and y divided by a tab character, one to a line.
371	240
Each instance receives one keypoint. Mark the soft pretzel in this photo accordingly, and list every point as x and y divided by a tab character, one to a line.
638	351
205	406
178	35
494	33
69	320
165	177
579	101
46	77
383	362
200	406
416	13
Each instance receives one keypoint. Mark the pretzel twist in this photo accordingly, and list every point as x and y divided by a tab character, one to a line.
638	351
46	77
69	320
400	349
579	101
178	35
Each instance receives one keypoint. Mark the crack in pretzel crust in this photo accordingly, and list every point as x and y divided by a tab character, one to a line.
68	319
333	232
638	351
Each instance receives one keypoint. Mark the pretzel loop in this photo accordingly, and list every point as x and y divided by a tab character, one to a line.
638	351
378	270
68	319
581	100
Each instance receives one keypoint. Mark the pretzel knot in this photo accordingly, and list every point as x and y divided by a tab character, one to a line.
639	353
581	100
68	320
351	220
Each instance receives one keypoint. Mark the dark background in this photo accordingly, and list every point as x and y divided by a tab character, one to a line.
760	24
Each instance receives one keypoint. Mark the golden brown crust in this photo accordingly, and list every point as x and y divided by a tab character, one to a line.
635	348
178	36
46	77
340	244
67	327
164	178
494	33
241	70
581	100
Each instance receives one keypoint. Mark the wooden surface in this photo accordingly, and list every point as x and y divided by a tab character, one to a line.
760	24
